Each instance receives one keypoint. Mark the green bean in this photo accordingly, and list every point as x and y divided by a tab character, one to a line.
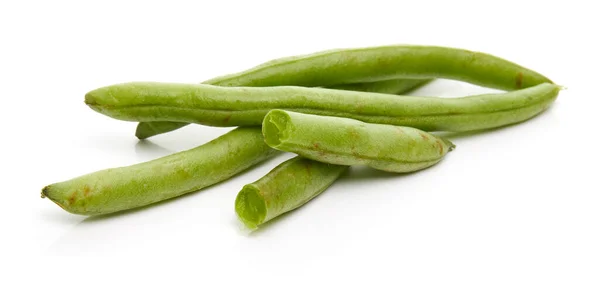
246	106
117	189
384	87
286	187
273	195
345	141
145	130
359	65
343	66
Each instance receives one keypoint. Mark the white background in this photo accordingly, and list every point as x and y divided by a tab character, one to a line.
515	210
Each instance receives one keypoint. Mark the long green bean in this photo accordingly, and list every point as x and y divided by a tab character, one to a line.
117	189
246	106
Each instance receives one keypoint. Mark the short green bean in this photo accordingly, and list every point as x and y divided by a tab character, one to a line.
359	65
247	106
345	141
117	189
148	129
286	187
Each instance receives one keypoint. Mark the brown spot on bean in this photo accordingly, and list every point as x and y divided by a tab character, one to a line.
440	147
71	198
316	145
307	165
359	107
426	138
519	80
227	118
86	190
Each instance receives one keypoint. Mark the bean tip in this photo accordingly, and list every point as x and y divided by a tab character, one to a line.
141	133
451	146
45	191
90	98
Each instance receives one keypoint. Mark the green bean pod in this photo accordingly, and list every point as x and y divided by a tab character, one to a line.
117	189
343	66
247	106
145	130
286	187
360	65
345	141
398	86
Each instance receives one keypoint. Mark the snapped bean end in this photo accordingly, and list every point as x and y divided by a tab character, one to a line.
250	207
275	128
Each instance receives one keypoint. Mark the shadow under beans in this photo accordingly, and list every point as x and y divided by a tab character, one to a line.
124	213
466	134
148	148
353	174
59	216
274	222
365	173
278	221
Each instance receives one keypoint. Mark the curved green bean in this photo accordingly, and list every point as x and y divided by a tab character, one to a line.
286	187
145	130
117	189
345	141
343	66
384	87
247	106
360	65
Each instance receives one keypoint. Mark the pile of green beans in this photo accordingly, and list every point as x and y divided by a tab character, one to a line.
334	109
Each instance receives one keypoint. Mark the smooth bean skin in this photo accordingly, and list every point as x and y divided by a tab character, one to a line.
117	189
343	66
247	106
345	141
145	130
400	86
287	187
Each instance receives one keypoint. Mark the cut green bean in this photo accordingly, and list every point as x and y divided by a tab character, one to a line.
286	187
360	65
145	130
298	180
345	141
117	189
247	106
